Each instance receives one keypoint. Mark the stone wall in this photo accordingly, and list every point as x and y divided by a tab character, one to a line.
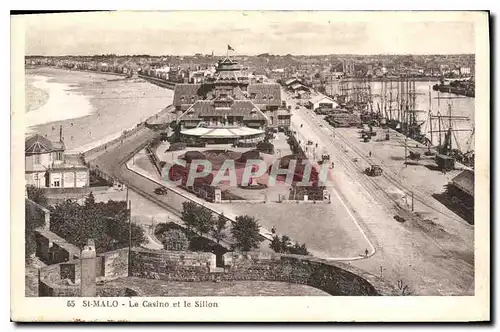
335	278
97	150
38	212
172	265
51	248
332	277
114	264
112	143
63	279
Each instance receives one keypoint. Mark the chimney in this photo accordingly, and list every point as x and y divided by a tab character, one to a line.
88	270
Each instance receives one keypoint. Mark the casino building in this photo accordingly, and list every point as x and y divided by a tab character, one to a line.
228	108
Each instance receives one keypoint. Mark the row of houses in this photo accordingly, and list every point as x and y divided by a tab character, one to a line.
297	87
196	74
98	66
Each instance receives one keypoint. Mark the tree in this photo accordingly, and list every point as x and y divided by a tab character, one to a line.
196	217
119	231
204	220
246	233
176	240
189	214
219	227
298	249
90	200
37	195
284	246
106	223
286	243
275	244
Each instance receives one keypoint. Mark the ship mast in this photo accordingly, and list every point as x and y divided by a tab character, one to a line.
447	130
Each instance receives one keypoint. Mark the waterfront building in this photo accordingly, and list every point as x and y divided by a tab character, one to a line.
323	102
227	108
46	165
460	190
290	82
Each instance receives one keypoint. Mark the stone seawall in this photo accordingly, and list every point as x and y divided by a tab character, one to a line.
164	84
137	130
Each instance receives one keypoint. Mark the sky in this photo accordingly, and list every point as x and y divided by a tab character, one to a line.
293	32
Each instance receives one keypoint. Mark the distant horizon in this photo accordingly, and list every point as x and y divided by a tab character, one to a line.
306	33
247	55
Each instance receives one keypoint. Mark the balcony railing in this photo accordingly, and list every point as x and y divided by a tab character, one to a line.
222	125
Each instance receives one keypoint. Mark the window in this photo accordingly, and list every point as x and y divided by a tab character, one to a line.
37	159
59	156
57	183
271	97
182	98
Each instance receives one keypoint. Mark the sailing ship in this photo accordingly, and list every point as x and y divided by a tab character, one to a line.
442	136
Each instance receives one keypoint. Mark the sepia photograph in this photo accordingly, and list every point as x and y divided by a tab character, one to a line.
197	161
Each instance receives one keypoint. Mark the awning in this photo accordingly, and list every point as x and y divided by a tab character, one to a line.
236	132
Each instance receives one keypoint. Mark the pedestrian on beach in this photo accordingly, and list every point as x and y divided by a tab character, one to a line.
366	252
370	154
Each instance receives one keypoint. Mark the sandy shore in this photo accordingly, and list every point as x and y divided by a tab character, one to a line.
61	103
90	106
35	97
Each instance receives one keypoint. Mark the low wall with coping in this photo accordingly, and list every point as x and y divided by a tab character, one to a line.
63	279
158	81
125	135
334	278
51	248
111	143
38	212
172	265
258	201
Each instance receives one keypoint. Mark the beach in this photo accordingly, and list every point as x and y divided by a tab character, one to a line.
90	107
35	97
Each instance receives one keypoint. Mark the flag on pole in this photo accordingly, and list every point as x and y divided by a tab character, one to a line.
229	48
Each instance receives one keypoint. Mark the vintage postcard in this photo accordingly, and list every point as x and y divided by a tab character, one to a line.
250	166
